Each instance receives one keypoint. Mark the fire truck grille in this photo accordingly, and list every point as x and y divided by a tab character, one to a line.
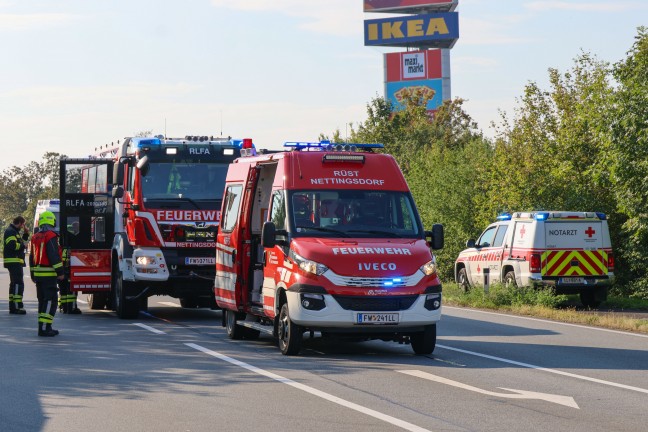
376	304
367	282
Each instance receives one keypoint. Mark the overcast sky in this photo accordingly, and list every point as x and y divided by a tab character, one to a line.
76	74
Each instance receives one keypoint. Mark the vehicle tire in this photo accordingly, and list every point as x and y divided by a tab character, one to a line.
423	343
290	334
126	309
234	331
589	300
97	301
462	279
189	302
509	280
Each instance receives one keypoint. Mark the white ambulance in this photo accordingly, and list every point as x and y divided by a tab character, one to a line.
53	205
569	251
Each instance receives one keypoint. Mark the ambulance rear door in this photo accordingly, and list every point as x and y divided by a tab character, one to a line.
87	222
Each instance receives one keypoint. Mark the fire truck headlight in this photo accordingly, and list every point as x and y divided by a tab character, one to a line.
145	260
430	268
307	265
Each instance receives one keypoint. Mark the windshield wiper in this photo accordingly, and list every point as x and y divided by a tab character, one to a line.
385	233
332	230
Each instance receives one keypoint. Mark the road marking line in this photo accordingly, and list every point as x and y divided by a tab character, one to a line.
549	321
517	394
149	328
329	397
170	304
554	371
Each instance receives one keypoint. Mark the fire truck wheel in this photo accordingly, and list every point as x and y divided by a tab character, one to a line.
290	334
462	279
97	301
424	342
234	331
126	309
509	280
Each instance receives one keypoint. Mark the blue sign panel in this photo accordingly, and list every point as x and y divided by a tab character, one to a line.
432	90
440	30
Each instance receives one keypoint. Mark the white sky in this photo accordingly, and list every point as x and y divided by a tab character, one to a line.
76	74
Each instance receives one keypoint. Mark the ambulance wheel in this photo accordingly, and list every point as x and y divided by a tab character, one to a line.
234	331
462	280
509	280
126	309
290	334
424	342
589	300
97	301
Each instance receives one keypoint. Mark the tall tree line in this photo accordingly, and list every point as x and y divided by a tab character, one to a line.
581	145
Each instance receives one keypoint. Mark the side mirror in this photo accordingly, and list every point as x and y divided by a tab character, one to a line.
118	192
437	238
143	166
470	243
118	174
269	235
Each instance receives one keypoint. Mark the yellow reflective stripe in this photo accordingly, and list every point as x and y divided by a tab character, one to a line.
45	318
59	265
14	261
44	274
11	238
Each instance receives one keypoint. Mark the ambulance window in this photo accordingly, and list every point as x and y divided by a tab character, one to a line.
231	205
499	237
278	213
486	239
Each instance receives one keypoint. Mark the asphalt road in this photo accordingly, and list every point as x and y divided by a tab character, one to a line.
175	370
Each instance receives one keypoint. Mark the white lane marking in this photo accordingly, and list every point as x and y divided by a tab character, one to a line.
329	397
549	321
151	329
520	394
170	304
554	371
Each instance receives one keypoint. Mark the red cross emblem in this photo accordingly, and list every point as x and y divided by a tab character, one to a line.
478	269
590	232
522	231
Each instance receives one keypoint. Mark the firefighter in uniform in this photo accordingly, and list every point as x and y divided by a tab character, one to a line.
46	267
14	261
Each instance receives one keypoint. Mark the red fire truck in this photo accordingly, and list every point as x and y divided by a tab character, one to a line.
140	219
325	238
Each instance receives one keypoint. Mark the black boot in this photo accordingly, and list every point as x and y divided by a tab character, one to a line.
18	311
75	311
48	332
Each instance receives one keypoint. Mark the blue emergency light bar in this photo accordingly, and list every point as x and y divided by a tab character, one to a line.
601	216
542	216
147	143
504	217
326	145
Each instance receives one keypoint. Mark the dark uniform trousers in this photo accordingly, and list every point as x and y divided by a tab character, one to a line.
47	293
68	300
16	286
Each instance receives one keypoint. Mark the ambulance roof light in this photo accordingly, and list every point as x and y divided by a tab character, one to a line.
542	216
601	216
504	217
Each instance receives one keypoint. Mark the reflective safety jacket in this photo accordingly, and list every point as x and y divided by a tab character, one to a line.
45	256
14	246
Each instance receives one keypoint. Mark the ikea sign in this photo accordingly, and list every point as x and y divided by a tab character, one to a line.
440	30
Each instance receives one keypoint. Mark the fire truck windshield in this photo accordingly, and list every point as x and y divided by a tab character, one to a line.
353	213
184	181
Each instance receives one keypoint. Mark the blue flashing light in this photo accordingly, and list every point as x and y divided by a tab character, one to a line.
388	284
542	216
55	202
601	216
504	217
397	280
147	142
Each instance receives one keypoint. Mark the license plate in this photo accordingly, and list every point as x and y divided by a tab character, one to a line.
377	318
200	261
572	280
200	236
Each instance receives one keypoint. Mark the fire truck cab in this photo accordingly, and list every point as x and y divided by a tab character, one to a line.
141	220
325	238
567	250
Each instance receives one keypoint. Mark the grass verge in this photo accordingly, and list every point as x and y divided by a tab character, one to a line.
545	304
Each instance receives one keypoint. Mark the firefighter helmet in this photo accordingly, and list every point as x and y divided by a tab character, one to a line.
47	218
